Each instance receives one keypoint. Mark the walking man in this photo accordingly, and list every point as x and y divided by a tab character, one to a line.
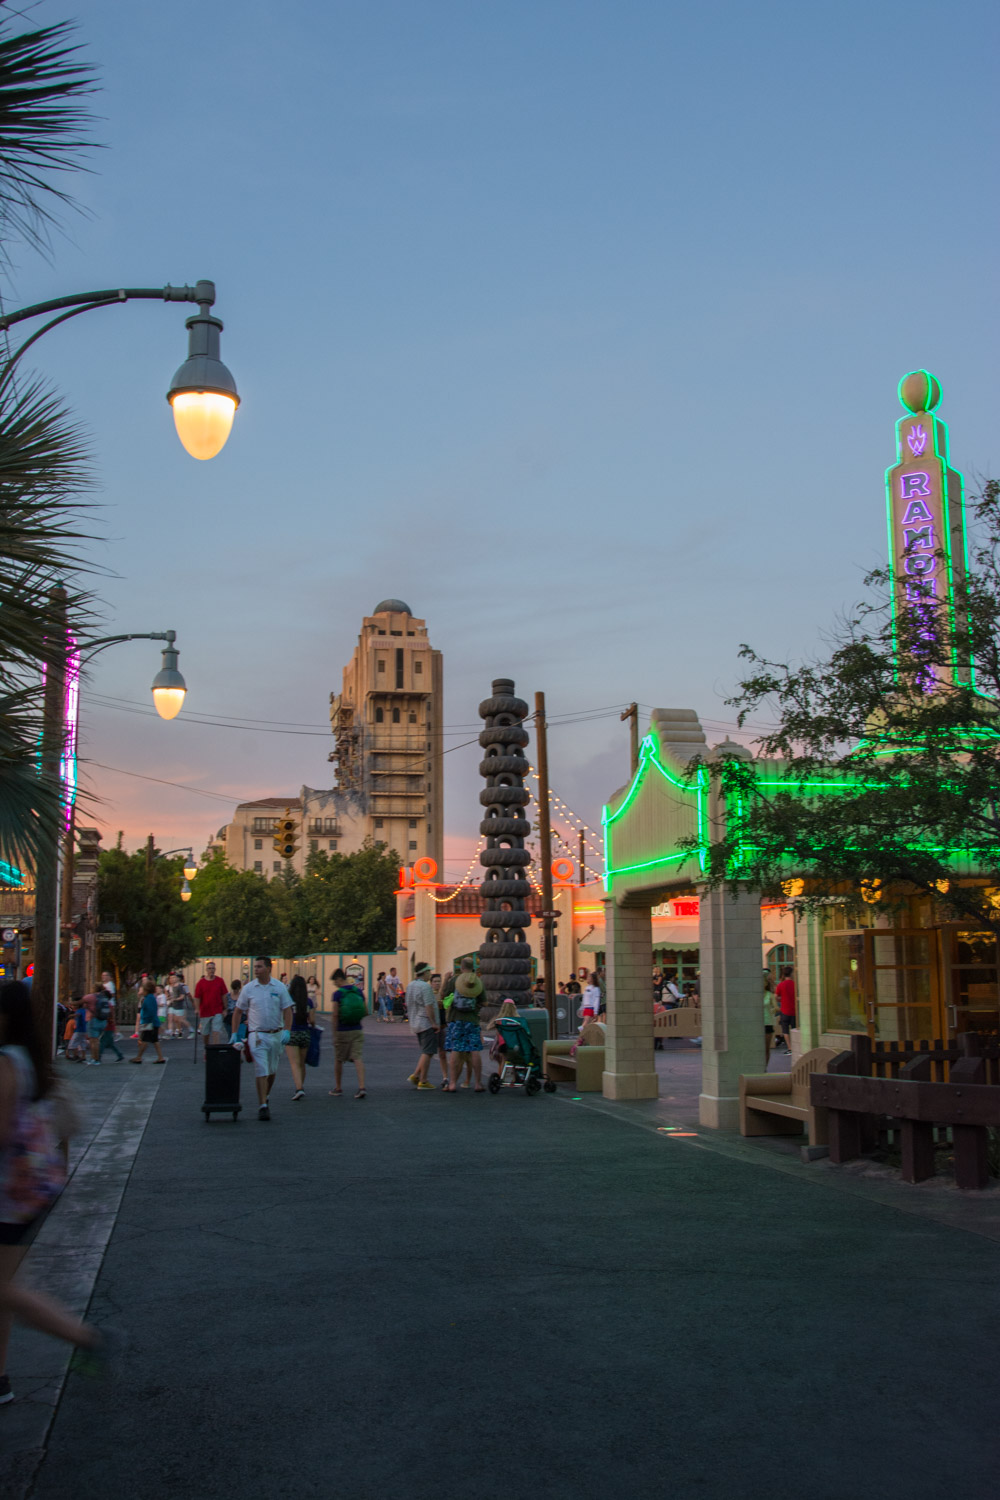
349	1010
394	988
786	1005
267	1007
422	1013
210	993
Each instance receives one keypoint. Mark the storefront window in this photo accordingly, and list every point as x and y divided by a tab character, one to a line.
844	982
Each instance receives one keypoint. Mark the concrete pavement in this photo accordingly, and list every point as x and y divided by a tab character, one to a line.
422	1295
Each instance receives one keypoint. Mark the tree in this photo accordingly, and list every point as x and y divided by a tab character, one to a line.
905	743
158	934
43	462
348	900
241	915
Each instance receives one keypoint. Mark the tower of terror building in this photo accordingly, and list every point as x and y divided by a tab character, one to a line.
386	723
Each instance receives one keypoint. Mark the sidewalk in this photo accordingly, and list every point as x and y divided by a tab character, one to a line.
421	1295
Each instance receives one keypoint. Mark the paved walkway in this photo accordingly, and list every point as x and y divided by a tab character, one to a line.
422	1295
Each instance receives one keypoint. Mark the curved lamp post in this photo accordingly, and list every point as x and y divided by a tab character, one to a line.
202	393
168	687
190	868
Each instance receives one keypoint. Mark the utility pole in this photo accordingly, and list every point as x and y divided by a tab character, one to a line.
582	861
632	712
147	940
545	851
48	871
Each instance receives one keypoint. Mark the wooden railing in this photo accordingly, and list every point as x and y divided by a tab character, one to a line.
874	1088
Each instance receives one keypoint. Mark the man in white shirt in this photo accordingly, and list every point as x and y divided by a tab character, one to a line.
422	1014
267	1007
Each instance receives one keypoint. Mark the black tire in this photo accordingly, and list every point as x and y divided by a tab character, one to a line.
505	827
493	1083
503	948
505	919
533	1086
510	765
503	734
549	1086
505	859
503	887
504	796
503	703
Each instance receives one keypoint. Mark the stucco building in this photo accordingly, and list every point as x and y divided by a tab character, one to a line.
386	722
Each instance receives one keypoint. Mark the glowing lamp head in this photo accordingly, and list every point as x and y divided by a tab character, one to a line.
203	394
190	869
185	892
203	420
169	688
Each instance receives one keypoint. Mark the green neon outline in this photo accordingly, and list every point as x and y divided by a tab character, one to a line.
648	755
942	453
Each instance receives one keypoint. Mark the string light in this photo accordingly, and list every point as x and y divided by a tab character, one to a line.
466	878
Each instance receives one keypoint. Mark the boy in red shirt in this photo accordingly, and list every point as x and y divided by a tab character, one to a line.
210	993
785	992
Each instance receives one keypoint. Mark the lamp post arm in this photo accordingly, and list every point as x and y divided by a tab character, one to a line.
203	293
91	648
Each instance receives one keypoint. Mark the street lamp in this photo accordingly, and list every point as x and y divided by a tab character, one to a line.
169	687
202	394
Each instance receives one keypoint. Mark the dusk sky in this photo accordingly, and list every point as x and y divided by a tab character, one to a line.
575	325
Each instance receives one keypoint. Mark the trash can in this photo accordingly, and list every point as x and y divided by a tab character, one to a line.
223	1066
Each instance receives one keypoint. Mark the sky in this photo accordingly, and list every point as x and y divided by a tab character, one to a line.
576	325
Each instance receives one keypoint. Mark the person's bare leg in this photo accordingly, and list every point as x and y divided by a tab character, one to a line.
294	1055
270	1084
443	1059
139	1051
360	1067
477	1068
456	1061
159	1052
261	1090
338	1075
32	1308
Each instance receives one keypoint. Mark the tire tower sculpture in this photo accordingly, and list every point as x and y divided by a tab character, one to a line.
505	957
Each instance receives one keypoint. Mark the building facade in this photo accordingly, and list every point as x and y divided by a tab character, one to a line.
386	723
327	822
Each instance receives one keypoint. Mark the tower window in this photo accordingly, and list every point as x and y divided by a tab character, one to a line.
378	822
333	843
258	843
413	718
313	845
276	865
399	667
418	666
379	716
413	822
395	716
413	843
258	867
381	663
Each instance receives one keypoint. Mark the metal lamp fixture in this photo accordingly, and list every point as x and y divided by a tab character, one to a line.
185	892
203	393
169	688
190	868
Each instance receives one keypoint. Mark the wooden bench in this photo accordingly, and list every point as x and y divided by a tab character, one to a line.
683	1022
585	1071
779	1103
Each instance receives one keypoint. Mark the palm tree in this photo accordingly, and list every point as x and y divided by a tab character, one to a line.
44	472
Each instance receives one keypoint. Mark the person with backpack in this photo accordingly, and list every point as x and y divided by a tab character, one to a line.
422	1014
98	1010
32	1175
464	1040
349	1010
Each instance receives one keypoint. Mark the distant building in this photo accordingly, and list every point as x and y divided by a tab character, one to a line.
328	822
386	722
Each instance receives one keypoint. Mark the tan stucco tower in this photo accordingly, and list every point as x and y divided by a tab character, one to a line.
386	723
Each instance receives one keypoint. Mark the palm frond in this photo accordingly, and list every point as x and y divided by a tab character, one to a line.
43	127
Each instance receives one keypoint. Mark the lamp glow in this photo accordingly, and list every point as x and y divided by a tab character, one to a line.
203	420
185	892
169	688
169	701
190	869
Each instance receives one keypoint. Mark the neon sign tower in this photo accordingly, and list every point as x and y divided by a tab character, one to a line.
926	518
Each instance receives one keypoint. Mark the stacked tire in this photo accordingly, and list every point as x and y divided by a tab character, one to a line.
504	955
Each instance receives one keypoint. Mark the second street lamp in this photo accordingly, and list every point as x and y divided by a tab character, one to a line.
169	687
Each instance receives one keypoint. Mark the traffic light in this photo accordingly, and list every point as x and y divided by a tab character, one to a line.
286	835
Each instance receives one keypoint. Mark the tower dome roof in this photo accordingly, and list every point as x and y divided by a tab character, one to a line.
392	607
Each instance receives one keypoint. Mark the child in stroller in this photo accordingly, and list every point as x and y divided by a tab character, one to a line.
519	1062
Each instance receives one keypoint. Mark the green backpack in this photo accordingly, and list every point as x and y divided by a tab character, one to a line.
352	1007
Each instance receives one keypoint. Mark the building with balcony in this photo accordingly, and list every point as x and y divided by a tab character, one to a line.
386	723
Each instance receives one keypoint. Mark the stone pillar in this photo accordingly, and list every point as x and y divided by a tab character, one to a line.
809	978
630	1072
423	945
732	1003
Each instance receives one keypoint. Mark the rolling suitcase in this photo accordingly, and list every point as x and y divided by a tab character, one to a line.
222	1081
